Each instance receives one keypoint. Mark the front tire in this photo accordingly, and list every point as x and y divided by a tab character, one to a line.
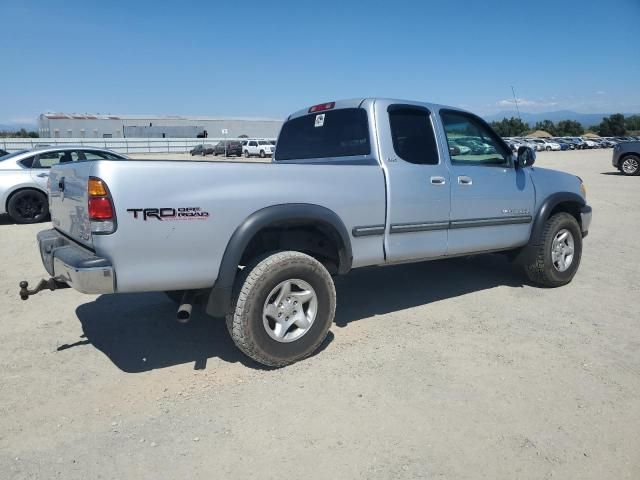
262	155
282	309
558	255
28	206
630	165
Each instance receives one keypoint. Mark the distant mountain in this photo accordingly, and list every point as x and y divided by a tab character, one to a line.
14	127
586	119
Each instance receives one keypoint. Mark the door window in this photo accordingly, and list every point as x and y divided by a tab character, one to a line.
471	142
48	159
94	155
412	134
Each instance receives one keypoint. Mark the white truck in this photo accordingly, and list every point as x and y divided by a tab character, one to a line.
353	183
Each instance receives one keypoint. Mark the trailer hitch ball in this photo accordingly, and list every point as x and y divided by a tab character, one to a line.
49	284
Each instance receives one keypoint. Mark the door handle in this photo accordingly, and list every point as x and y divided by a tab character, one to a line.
438	181
42	175
464	180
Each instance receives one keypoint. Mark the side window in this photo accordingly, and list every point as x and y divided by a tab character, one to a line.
473	143
48	159
253	144
412	134
91	155
27	162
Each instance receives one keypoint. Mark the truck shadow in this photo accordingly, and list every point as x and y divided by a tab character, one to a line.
138	333
367	292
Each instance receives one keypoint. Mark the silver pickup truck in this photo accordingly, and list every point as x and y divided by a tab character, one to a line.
352	183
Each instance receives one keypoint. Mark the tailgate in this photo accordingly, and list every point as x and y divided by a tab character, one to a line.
68	200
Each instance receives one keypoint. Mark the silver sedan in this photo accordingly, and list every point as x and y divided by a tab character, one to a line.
24	175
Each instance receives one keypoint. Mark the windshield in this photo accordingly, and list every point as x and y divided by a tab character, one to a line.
11	155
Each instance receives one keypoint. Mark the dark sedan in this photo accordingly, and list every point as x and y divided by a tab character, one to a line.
202	149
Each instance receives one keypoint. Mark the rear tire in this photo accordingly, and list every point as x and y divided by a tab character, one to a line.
28	206
557	256
630	165
275	324
246	154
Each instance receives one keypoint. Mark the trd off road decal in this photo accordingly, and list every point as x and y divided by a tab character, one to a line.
169	213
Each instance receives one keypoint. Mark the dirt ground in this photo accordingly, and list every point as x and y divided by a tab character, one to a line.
456	369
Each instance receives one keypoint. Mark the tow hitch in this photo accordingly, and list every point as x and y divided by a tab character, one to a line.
49	284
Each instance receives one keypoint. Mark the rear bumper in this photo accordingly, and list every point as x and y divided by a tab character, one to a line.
74	265
585	219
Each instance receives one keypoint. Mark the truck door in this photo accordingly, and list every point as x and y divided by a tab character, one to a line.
491	201
418	198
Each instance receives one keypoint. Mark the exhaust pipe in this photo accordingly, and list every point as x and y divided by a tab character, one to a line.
186	305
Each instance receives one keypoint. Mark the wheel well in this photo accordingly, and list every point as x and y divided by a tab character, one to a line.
21	189
320	241
572	208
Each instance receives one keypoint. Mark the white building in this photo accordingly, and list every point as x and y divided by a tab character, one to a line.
72	125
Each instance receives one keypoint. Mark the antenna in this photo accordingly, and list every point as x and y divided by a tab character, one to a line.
516	100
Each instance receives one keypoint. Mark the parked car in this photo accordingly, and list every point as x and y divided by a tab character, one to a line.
577	141
545	144
258	148
202	149
3	152
626	157
24	175
589	143
462	149
528	143
564	145
228	148
259	242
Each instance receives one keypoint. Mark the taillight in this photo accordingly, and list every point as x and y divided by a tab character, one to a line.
100	209
100	205
322	107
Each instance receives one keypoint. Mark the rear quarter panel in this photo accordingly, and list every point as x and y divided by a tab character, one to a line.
152	255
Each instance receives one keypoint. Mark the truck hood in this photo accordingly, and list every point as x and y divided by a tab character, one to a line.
548	181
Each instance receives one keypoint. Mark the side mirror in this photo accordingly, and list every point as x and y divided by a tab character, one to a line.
526	157
454	151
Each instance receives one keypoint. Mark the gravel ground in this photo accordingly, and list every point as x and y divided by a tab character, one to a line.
453	369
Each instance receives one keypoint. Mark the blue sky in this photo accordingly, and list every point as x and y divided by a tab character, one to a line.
268	58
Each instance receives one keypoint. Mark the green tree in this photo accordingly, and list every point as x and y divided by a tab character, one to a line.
569	128
510	127
632	123
612	126
546	125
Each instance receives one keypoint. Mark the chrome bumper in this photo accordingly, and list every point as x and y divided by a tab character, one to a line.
585	219
68	262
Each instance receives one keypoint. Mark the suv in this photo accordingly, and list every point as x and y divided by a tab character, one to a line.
228	148
260	148
626	158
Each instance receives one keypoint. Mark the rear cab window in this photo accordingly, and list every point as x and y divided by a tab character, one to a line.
328	134
412	134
